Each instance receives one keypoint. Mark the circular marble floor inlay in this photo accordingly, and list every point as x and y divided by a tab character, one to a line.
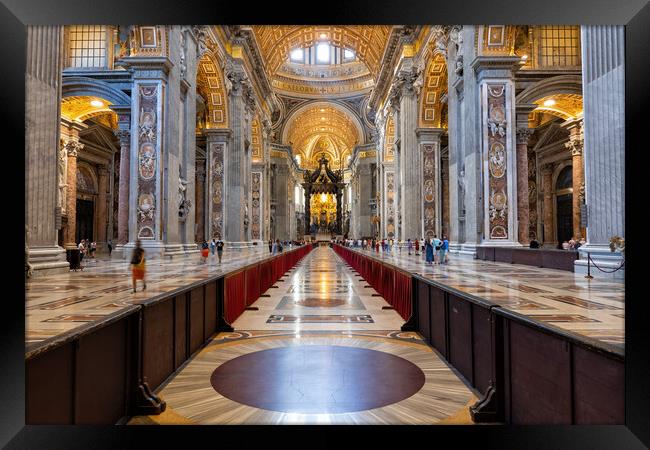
317	379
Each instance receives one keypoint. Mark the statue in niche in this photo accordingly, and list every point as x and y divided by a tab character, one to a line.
62	162
183	203
183	65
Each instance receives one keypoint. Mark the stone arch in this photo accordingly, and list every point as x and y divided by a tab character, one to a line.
89	87
86	176
330	104
210	84
561	84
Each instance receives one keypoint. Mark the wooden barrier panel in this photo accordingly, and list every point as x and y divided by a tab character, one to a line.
599	388
539	388
460	336
424	310
158	341
86	380
181	351
49	387
210	310
101	375
438	319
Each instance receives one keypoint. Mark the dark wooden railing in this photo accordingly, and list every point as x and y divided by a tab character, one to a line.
524	371
103	372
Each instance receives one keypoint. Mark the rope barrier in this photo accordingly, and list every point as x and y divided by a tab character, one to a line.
591	261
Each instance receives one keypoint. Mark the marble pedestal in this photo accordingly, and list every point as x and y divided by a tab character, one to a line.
47	261
456	248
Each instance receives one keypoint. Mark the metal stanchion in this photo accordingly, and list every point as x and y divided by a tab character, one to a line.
588	266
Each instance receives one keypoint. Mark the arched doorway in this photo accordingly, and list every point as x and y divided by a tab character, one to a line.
564	205
86	200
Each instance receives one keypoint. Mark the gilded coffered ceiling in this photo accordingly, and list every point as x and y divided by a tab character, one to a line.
79	109
322	128
277	41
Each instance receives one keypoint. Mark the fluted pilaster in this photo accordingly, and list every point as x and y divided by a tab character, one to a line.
42	113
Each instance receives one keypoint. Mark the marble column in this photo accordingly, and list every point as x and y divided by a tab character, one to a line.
102	217
410	174
603	90
123	195
200	201
152	176
523	213
575	145
498	148
430	202
444	179
216	156
454	155
281	194
235	168
72	147
42	116
549	229
363	196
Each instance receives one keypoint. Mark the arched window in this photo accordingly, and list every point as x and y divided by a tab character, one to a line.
322	53
564	179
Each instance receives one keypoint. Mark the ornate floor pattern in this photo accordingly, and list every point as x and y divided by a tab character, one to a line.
192	399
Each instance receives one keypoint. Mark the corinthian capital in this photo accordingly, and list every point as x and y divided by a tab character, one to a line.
73	146
123	135
238	81
407	82
523	135
575	144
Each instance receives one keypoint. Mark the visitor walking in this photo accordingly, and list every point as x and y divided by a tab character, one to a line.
437	246
409	245
93	249
429	251
138	265
213	246
82	250
270	246
417	247
219	246
444	249
205	252
109	244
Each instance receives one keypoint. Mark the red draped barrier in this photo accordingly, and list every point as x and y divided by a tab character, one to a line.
245	287
393	285
252	284
266	276
234	301
402	294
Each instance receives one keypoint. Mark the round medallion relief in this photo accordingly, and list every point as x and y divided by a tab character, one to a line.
317	379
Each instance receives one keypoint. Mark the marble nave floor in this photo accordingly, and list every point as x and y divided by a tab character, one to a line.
319	350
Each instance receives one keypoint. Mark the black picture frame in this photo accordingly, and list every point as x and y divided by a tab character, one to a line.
634	14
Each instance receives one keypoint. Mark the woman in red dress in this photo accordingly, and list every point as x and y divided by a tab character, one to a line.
138	265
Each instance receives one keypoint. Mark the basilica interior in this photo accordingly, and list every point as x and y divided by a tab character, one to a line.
506	141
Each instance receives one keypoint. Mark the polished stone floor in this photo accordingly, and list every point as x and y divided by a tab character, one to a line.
594	308
321	293
61	303
319	350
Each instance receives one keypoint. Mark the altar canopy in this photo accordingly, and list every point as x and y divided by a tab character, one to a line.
326	186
